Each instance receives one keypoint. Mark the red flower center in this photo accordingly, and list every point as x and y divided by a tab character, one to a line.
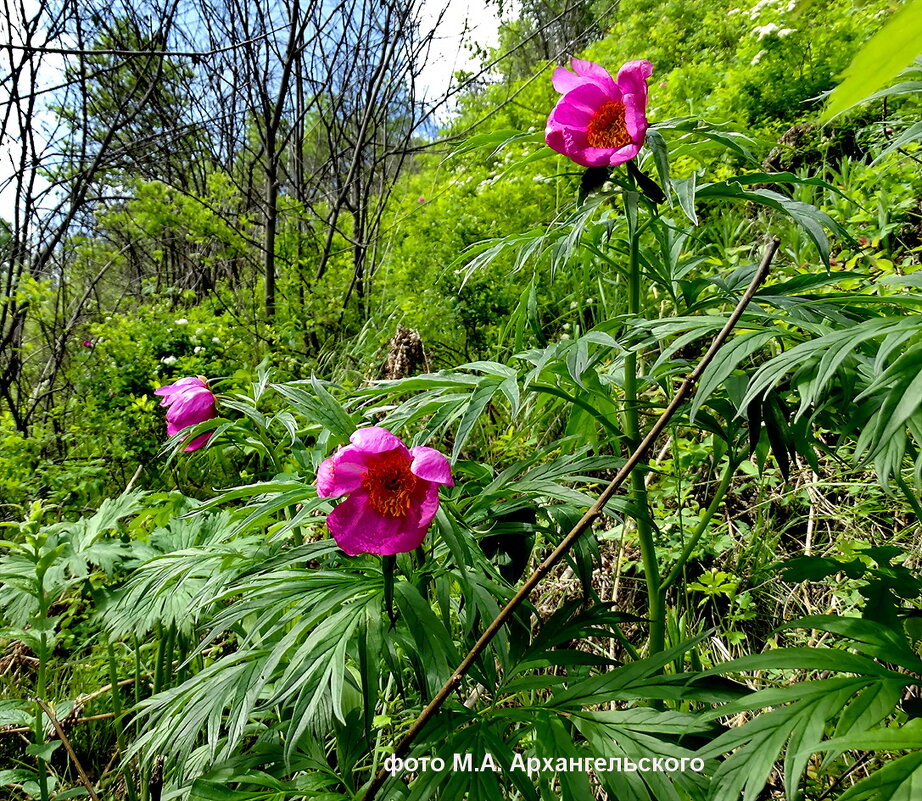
390	484
608	128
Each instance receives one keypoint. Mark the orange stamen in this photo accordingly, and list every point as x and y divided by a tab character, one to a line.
390	484
608	128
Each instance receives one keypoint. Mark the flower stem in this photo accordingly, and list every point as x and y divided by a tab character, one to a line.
41	681
389	567
655	597
419	563
116	701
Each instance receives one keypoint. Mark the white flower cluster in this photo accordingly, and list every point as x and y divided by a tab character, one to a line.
759	7
771	29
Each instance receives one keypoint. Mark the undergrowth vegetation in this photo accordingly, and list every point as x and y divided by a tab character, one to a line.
187	616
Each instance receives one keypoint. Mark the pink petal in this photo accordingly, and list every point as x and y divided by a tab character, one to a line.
635	119
623	154
199	441
183	385
342	472
564	80
194	398
430	464
189	416
572	143
632	78
571	115
191	407
590	97
375	439
589	69
357	528
427	504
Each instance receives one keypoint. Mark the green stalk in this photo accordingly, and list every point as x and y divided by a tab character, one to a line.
182	649
389	567
709	513
166	672
270	449
41	681
117	721
158	659
136	648
656	600
419	563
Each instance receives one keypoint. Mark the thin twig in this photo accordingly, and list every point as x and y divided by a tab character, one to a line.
585	522
26	729
79	702
196	54
70	749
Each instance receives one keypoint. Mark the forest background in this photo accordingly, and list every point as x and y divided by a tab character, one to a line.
273	196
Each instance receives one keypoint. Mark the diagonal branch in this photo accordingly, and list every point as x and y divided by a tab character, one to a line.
70	749
585	522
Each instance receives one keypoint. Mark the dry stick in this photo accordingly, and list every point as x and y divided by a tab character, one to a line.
25	729
70	750
593	512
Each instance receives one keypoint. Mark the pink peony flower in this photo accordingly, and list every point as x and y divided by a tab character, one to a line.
189	401
87	343
393	492
600	121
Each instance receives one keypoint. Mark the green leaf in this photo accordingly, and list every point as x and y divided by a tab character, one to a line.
16	776
900	780
657	146
912	134
203	790
868	637
320	407
434	645
479	399
43	750
808	217
725	362
13	713
884	739
685	194
804	659
797	721
889	51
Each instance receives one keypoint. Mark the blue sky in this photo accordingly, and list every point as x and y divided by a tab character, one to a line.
464	20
